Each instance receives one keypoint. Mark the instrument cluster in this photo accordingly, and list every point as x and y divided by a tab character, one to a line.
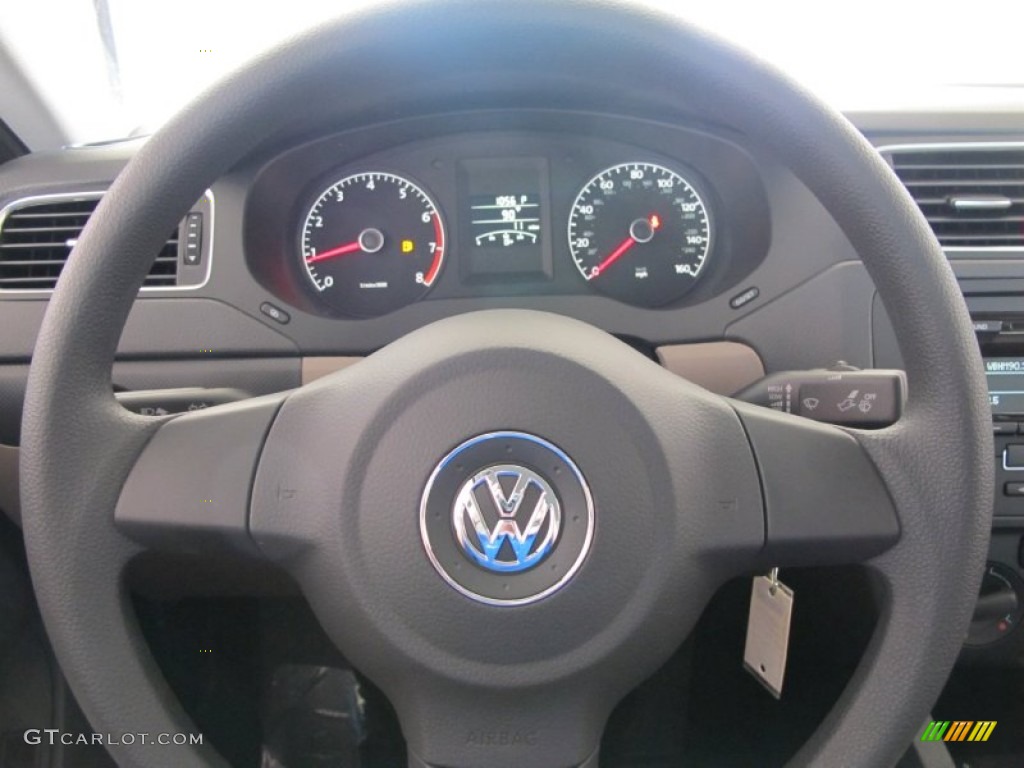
492	214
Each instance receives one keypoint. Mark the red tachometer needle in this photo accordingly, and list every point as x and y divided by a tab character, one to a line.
341	250
638	233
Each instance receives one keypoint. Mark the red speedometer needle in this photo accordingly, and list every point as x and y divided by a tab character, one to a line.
341	250
640	231
614	256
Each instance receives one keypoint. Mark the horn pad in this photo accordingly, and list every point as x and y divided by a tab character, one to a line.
507	518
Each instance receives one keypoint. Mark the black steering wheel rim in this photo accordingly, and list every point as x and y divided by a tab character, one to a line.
78	443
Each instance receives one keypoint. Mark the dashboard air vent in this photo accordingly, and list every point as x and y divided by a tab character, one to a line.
36	238
972	196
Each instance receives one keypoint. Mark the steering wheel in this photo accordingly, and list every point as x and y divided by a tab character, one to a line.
659	490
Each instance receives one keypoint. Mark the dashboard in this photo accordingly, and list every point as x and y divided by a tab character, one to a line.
446	213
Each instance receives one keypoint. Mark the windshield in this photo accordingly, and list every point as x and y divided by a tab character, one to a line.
124	66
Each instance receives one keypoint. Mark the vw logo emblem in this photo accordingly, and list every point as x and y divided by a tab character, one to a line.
506	518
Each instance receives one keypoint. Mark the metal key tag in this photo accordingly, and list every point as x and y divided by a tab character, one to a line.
771	608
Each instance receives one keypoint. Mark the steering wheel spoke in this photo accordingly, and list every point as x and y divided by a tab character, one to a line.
448	728
190	486
825	501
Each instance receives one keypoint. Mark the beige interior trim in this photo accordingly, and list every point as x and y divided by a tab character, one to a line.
314	368
10	499
723	367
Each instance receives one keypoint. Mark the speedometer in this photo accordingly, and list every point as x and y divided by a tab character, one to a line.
371	243
640	233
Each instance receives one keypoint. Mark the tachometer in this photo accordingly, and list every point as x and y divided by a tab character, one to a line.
641	233
372	242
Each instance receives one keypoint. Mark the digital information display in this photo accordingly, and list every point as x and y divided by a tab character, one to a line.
505	221
504	218
1005	377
